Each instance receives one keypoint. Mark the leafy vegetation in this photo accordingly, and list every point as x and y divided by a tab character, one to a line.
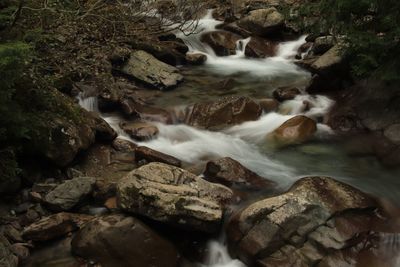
371	29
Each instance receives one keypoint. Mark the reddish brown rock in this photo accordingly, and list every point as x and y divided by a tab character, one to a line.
151	155
196	58
223	43
260	48
224	112
294	131
268	104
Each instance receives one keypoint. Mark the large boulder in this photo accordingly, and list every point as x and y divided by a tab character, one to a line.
55	226
68	194
223	43
169	194
262	22
118	240
316	219
145	68
294	131
224	112
229	172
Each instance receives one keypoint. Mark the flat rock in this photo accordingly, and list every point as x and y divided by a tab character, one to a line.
140	130
119	240
228	171
151	155
144	67
54	226
224	112
169	194
315	219
68	194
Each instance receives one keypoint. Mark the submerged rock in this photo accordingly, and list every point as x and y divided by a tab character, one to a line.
229	172
317	218
118	240
169	194
262	22
147	69
68	194
224	112
55	226
286	93
296	130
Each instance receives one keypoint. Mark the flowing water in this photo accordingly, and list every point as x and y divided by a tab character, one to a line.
247	143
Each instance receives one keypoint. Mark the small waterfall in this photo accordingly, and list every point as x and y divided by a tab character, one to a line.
89	103
219	256
241	47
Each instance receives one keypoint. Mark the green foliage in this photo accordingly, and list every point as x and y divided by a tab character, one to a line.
13	57
371	29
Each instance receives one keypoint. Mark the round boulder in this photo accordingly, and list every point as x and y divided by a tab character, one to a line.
297	130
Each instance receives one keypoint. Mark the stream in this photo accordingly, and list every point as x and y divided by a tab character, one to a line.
247	143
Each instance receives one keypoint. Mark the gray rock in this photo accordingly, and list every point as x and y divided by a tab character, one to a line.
118	240
262	22
322	44
169	194
332	58
144	67
68	194
317	217
393	133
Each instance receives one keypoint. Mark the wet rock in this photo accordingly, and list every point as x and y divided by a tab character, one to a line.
196	58
316	218
134	108
223	43
260	48
169	194
286	93
68	194
140	130
12	234
224	112
228	171
8	259
151	155
118	240
55	226
147	69
104	132
268	104
123	145
262	22
233	27
296	130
